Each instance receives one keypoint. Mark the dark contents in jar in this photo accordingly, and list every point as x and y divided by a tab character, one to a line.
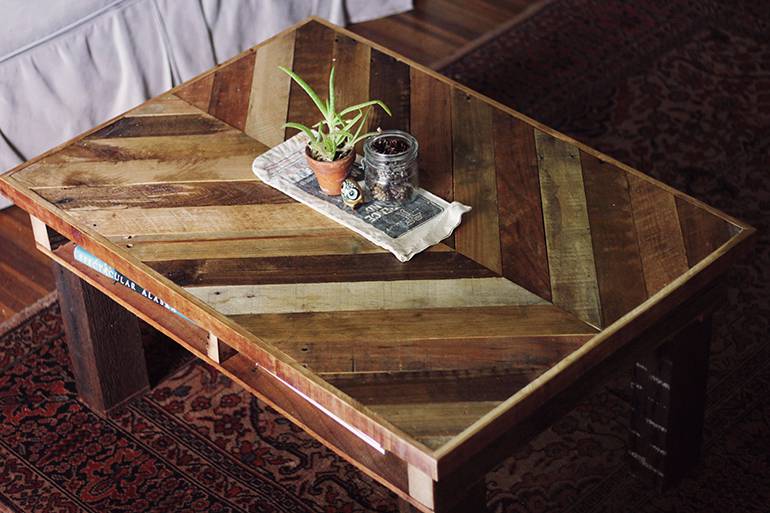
392	182
390	145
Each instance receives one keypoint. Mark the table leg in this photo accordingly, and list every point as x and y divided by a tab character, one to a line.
669	397
474	502
104	342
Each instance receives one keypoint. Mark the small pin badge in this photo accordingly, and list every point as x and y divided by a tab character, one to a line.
352	194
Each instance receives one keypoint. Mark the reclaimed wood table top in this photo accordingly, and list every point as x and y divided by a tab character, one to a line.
566	255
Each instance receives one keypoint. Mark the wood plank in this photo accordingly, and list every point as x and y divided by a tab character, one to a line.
364	295
312	61
434	423
448	324
219	221
169	195
104	344
230	91
165	105
421	338
269	99
224	143
425	386
389	81
421	487
152	126
520	211
437	30
661	244
220	156
341	243
567	231
352	62
616	250
703	232
478	237
352	67
431	125
25	273
489	348
40	232
237	167
197	92
21	289
319	269
20	258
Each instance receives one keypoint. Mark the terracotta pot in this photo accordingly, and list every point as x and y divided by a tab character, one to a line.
330	175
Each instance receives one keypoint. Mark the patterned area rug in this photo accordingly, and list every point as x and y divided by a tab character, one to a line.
681	90
677	88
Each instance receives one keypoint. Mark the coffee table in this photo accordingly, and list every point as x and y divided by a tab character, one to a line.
423	374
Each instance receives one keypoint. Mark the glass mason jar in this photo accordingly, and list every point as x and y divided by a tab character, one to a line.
391	177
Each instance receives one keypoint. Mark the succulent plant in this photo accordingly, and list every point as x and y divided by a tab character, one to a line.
338	132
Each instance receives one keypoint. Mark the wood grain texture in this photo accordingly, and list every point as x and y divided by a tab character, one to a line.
223	154
702	231
434	423
389	81
487	349
352	64
331	244
352	295
168	195
435	30
198	92
221	142
40	232
269	96
475	181
104	344
313	50
524	255
431	125
613	233
128	173
567	230
24	272
396	326
166	105
440	386
150	126
198	222
661	245
231	90
319	269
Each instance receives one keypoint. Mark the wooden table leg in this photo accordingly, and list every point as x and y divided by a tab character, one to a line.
669	397
104	343
474	502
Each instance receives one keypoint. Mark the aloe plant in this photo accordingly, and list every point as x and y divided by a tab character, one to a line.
338	132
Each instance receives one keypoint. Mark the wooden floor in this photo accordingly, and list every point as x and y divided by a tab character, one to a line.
25	273
434	30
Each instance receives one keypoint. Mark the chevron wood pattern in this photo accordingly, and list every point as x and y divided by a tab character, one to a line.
561	244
